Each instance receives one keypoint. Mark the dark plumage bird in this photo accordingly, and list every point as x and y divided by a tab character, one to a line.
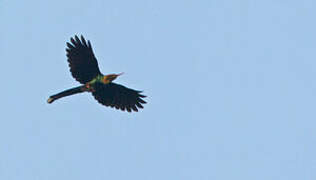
84	68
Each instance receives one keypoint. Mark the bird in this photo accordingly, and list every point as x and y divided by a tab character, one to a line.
85	69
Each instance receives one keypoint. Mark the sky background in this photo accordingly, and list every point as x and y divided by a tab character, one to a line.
231	90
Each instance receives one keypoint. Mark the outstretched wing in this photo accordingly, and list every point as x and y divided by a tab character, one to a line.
82	62
118	96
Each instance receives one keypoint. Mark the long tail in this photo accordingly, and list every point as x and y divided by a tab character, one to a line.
68	92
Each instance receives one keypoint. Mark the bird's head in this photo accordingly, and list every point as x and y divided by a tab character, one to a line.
110	77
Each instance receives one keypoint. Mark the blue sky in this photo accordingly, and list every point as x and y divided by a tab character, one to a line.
230	85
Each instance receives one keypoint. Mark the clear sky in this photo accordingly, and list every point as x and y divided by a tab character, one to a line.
231	89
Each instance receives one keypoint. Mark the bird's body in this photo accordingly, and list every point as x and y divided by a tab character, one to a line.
84	68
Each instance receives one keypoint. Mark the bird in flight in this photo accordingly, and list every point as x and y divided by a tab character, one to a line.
84	68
